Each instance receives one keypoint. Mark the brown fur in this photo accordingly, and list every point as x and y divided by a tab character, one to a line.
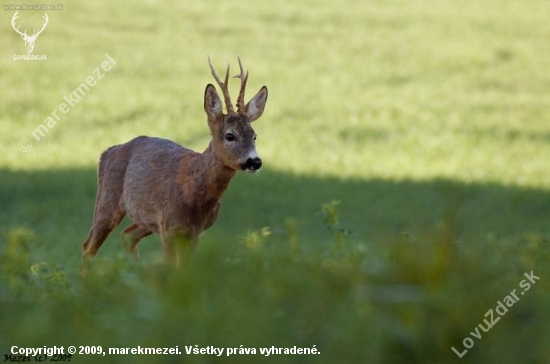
169	190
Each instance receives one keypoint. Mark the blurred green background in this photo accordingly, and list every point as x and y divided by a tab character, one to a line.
405	188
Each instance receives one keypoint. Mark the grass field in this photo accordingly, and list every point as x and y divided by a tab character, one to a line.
405	188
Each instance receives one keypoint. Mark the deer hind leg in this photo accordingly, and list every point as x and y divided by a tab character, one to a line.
131	237
104	223
109	209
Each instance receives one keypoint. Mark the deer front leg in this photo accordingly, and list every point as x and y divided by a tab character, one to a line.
177	246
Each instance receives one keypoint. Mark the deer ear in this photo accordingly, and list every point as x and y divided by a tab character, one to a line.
255	107
212	104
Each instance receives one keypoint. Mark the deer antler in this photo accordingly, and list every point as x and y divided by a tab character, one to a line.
244	78
43	26
223	86
13	19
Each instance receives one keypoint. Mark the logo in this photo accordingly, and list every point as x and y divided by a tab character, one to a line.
29	39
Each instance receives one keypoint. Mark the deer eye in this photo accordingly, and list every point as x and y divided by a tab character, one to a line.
255	136
229	137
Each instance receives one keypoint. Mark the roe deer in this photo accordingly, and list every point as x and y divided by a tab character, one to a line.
169	190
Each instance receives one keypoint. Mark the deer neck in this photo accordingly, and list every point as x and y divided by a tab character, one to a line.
211	176
217	173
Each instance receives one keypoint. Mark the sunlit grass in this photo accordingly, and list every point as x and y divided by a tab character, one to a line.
371	91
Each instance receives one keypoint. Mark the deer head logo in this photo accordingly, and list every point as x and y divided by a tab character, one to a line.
29	40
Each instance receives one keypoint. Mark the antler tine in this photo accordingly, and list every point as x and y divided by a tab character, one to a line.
13	19
223	86
46	18
244	78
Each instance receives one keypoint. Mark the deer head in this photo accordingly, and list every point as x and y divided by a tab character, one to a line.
29	40
233	139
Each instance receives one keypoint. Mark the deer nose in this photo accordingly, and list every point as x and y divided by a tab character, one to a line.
253	164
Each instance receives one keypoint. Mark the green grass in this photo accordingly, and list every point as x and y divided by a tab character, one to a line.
428	121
